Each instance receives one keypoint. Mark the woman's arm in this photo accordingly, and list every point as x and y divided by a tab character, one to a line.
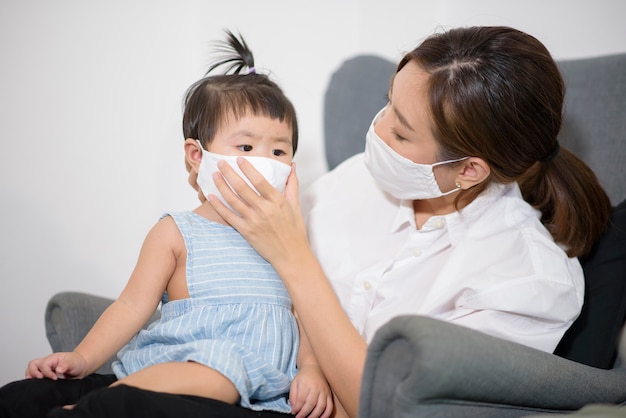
273	225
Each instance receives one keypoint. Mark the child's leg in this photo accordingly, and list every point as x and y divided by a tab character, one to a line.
184	379
33	398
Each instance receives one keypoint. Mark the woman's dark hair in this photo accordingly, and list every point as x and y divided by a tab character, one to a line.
496	93
214	98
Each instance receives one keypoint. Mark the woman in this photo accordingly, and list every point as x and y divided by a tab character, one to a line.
463	207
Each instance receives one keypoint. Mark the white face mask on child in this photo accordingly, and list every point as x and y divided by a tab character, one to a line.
397	175
275	172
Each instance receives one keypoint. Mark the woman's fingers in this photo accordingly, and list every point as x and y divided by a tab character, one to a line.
258	181
237	192
292	188
230	197
241	189
270	222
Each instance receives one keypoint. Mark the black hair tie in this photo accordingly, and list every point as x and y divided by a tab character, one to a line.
552	155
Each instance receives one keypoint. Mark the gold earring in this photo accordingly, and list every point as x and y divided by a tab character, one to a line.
458	185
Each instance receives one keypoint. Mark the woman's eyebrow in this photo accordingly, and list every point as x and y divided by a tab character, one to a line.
403	121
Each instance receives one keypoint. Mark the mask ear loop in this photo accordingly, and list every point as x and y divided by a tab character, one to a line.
457	184
448	162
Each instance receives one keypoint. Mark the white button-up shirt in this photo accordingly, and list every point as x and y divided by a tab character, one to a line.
492	266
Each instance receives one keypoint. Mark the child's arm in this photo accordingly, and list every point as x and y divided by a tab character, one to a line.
310	395
125	317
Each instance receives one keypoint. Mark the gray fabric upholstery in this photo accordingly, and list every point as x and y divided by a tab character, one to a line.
420	366
70	315
355	93
591	411
595	118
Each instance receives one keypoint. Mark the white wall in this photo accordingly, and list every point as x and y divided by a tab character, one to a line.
90	105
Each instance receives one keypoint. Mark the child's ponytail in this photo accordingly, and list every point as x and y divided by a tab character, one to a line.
235	52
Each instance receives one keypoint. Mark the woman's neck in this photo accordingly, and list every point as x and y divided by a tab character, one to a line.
423	210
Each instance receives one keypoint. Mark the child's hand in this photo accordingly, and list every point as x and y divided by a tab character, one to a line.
57	365
310	395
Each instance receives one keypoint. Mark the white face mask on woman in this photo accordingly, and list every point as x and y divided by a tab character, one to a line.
275	172
399	176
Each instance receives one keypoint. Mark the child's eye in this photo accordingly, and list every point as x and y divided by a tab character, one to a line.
245	148
279	152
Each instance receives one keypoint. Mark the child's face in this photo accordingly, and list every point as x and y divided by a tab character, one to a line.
258	136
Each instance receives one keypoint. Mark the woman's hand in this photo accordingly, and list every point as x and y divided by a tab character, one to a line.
271	222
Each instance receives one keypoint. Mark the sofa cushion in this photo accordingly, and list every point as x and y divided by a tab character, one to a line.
356	92
595	121
594	336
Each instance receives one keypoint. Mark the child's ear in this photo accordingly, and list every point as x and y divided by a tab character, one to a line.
193	154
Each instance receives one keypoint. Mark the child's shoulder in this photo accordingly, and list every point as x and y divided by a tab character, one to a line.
165	234
189	220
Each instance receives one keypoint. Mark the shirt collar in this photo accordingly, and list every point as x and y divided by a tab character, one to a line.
404	216
457	222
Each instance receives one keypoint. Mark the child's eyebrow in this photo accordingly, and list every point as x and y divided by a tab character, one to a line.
284	139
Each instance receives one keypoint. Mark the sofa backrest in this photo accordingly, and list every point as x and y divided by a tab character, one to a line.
594	125
355	93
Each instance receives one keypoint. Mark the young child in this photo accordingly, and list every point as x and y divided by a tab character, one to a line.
226	331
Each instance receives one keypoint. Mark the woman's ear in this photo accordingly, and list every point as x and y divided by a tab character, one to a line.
193	155
475	171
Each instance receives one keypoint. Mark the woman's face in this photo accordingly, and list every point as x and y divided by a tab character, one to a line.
404	124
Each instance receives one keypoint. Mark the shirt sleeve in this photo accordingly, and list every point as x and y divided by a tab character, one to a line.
533	311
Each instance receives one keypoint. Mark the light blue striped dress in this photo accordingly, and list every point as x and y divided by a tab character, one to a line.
237	320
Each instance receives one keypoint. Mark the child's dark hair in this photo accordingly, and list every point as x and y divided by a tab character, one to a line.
214	98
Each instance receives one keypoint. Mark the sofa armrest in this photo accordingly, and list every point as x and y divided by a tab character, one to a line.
70	315
419	366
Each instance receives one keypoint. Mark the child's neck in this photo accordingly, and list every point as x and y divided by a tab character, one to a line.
207	211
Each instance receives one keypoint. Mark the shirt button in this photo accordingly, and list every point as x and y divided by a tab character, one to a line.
367	285
439	224
417	252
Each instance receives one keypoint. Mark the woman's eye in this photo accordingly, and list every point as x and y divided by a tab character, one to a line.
397	136
245	148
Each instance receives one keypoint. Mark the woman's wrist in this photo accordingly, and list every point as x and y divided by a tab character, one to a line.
298	260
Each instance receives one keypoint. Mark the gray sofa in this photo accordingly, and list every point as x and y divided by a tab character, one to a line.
421	367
